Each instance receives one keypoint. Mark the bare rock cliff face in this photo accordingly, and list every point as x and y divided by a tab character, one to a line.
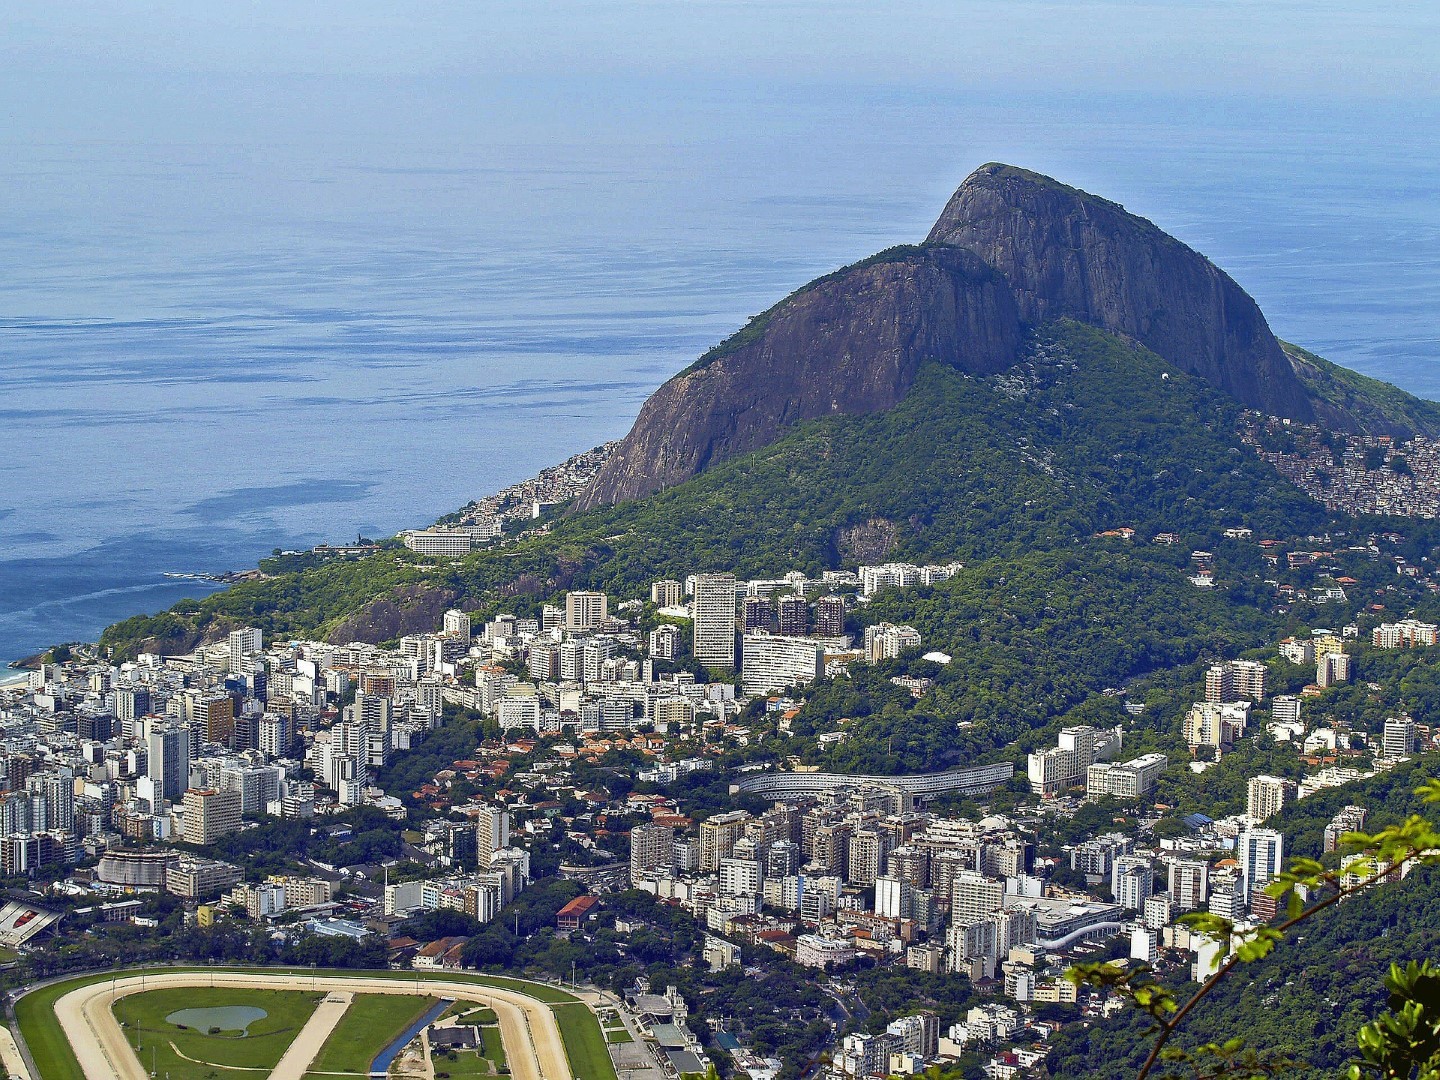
849	343
1012	249
1068	253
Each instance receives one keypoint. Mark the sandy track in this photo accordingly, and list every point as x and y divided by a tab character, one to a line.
306	1047
528	1028
10	1055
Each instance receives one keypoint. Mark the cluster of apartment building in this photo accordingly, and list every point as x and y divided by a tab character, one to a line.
99	757
1405	634
485	520
1372	474
903	576
590	671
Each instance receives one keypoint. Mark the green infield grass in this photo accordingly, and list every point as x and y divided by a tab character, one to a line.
367	1027
186	1032
584	1044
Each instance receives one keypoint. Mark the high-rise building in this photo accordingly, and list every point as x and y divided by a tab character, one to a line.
652	848
783	859
1189	883
974	896
210	814
214	717
1399	737
885	641
1348	820
866	860
276	734
714	619
1132	881
910	864
1130	780
1332	669
794	615
1235	680
457	624
666	593
95	727
53	801
665	641
718	836
1266	796
830	617
131	703
1260	852
244	643
167	759
1213	726
1285	709
740	877
544	662
585	610
374	711
917	1035
377	681
756	613
492	832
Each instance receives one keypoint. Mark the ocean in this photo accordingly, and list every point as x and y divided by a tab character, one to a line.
308	316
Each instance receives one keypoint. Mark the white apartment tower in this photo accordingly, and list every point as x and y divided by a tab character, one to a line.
457	624
1260	853
714	616
244	643
1266	796
167	759
1399	737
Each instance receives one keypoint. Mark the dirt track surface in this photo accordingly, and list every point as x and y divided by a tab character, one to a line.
306	1046
528	1028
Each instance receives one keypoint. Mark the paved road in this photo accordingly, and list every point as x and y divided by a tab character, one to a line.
306	1047
528	1028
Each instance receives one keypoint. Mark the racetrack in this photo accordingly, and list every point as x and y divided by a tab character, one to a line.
528	1028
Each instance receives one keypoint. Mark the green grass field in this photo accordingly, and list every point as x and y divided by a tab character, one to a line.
491	1045
35	1016
367	1028
617	1035
190	1053
584	1044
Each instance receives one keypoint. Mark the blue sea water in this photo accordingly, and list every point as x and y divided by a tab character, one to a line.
284	315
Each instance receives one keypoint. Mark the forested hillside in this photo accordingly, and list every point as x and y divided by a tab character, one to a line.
1089	433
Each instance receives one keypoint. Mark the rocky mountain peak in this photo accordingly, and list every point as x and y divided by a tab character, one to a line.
1012	250
1066	252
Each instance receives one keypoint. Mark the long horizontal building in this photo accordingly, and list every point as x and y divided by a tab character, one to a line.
793	785
1131	780
771	662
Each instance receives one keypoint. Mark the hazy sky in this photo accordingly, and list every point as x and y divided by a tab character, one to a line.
1323	49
